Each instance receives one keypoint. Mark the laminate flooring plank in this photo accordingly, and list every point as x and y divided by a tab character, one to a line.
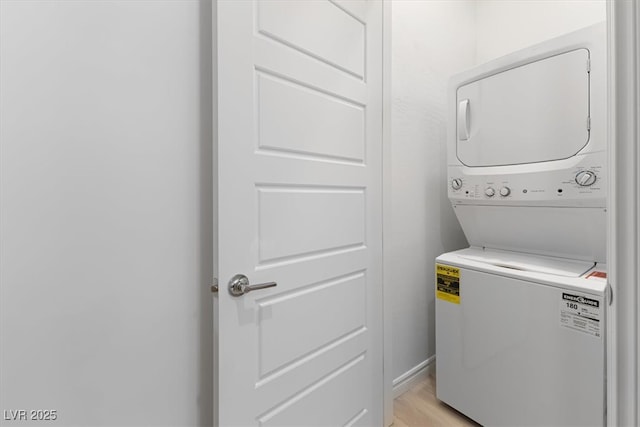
419	407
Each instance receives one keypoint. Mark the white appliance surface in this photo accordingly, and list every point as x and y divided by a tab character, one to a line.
578	233
523	344
528	263
532	113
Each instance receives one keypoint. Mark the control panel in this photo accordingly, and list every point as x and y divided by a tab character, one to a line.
578	185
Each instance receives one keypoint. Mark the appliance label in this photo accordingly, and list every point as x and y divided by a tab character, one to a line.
581	313
448	283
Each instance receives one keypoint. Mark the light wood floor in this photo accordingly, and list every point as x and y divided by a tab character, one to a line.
419	407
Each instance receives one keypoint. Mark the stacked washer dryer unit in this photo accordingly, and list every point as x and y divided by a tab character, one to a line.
520	334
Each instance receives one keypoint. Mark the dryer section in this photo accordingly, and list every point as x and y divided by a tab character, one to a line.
526	148
534	112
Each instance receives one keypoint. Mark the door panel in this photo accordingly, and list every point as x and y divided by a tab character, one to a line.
302	319
318	28
300	119
299	203
341	391
295	221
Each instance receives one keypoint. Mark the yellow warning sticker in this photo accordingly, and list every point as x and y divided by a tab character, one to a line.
448	283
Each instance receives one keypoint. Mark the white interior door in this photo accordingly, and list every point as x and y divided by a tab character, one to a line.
299	204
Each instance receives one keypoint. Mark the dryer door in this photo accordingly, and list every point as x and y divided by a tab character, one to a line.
532	113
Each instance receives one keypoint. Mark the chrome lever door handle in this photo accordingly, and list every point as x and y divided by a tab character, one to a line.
239	285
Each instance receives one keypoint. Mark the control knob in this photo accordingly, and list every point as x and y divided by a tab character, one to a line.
489	192
585	178
456	183
505	191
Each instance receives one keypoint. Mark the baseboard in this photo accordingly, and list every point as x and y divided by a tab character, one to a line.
414	375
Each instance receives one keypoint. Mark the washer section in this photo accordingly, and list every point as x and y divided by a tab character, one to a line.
523	345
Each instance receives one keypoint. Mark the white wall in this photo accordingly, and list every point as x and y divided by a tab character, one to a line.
506	26
106	215
426	49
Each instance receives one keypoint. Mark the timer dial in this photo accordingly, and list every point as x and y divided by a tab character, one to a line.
505	191
489	192
585	178
456	183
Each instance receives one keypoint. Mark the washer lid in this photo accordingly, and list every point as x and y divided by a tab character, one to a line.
532	113
525	262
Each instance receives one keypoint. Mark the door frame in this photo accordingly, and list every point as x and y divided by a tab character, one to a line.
214	237
387	309
623	246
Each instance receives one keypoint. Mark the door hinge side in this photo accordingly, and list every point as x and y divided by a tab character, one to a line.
588	65
214	286
588	122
